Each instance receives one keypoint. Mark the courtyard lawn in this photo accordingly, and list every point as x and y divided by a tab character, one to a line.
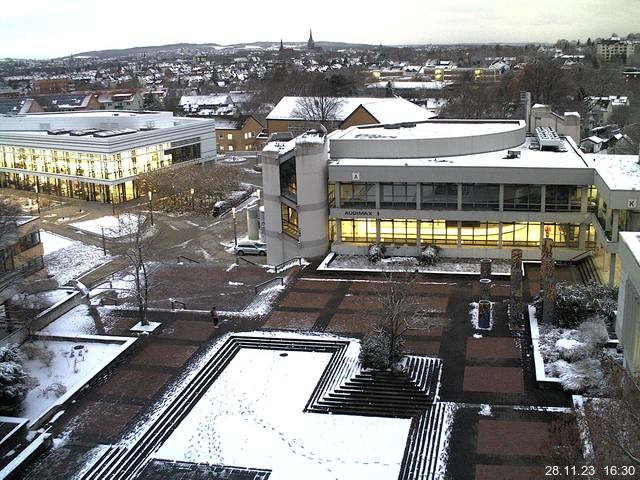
253	416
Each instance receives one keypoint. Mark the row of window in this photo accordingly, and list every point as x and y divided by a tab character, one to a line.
441	232
474	196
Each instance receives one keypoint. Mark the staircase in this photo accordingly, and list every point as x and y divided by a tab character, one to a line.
587	270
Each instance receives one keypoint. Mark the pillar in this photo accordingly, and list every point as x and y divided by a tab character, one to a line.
253	223
515	297
485	289
612	269
485	268
547	267
484	314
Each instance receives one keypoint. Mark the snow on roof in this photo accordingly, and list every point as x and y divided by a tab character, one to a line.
411	85
619	172
385	110
528	158
221	99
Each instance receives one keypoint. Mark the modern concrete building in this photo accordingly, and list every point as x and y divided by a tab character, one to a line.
614	48
628	319
475	188
97	155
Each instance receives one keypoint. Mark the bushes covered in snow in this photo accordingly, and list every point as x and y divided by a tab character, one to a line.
13	380
429	255
375	253
571	355
578	302
379	351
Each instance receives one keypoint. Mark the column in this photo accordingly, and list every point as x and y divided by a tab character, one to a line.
459	201
500	235
515	296
543	197
612	269
338	231
501	198
418	196
378	229
378	195
582	237
459	237
615	224
584	199
418	239
337	192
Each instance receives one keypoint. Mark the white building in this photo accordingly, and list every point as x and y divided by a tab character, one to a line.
628	319
476	188
97	155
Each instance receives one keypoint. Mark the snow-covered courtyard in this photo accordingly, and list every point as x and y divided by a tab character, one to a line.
68	259
60	365
113	227
253	416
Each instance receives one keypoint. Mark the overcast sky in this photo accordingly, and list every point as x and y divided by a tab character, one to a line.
52	28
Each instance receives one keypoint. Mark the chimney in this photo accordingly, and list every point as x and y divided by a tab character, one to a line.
525	100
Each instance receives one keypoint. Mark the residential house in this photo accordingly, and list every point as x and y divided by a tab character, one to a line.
19	106
69	102
237	133
129	99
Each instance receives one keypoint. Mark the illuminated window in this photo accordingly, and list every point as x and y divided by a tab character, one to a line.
438	232
524	234
563	234
398	231
479	233
229	136
289	221
358	230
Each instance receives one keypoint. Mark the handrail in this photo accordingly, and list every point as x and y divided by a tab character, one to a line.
187	258
287	262
173	304
260	286
238	258
583	254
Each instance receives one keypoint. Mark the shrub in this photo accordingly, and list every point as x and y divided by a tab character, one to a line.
582	376
577	302
377	352
429	255
13	380
57	389
38	351
376	252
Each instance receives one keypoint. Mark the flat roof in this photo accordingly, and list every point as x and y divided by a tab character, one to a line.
619	172
529	158
429	129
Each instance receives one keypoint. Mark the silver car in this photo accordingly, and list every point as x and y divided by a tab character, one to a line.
250	247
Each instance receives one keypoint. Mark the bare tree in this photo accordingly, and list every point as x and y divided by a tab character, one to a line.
136	243
322	109
401	312
190	187
9	278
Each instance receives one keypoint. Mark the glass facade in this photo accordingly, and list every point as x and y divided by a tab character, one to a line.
522	198
563	234
358	231
358	195
288	181
438	232
398	195
562	198
480	233
439	196
480	196
290	221
521	234
76	170
398	231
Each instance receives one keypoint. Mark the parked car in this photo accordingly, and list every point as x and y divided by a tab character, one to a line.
250	247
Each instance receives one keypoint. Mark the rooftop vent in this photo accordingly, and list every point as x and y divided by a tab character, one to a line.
513	154
548	138
82	133
392	126
114	133
57	131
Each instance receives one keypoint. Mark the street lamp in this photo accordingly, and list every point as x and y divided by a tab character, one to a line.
192	191
149	194
235	234
37	196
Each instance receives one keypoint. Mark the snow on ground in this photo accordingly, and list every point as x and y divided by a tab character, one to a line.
403	264
64	369
485	410
114	227
52	242
77	321
253	415
68	259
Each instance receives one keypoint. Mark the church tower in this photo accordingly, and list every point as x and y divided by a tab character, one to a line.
311	45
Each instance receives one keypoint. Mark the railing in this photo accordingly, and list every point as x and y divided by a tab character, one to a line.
580	256
238	258
178	302
261	286
287	263
187	259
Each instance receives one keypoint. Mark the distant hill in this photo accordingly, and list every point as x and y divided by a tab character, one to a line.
125	52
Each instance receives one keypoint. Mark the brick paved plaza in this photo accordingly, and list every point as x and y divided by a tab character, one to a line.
506	441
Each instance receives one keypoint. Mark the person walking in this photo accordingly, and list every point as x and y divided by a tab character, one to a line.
214	317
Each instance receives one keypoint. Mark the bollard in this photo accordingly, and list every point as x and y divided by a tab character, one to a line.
484	314
485	289
515	297
485	268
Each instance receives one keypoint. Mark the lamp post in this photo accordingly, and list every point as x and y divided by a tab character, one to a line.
37	196
192	191
235	234
149	194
